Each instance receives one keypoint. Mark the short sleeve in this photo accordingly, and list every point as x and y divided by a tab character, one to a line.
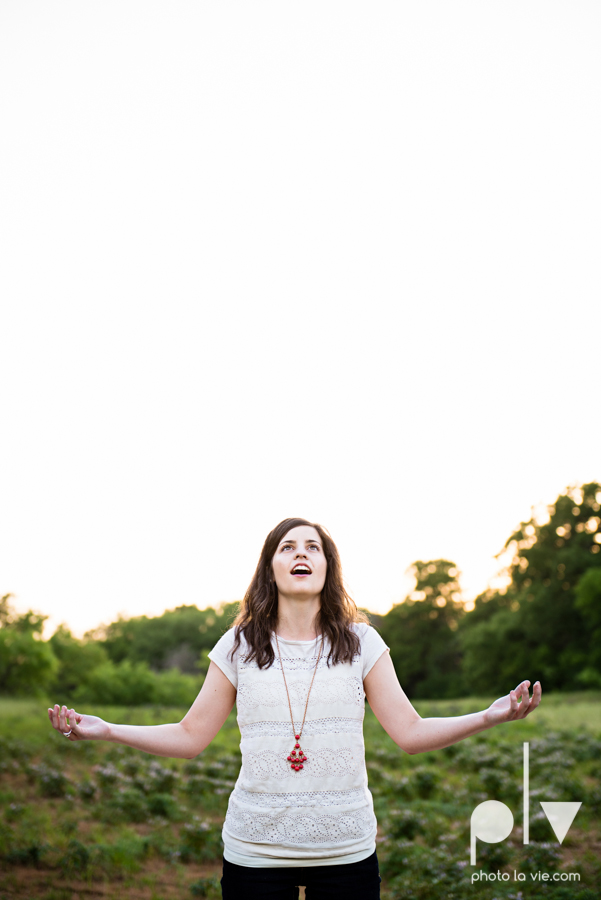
372	648
220	655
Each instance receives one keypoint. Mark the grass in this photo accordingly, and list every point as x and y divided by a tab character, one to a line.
101	820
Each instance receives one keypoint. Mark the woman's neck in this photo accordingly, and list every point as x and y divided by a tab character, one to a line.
297	620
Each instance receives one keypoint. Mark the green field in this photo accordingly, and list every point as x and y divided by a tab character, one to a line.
101	820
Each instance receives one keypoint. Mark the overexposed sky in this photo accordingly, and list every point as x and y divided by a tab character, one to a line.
335	260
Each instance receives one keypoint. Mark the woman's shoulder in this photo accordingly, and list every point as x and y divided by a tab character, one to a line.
369	637
372	645
222	655
224	646
226	641
363	630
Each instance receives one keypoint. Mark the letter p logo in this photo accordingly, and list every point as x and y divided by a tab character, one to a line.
492	822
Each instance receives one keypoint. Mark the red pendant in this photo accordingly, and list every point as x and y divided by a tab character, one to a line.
297	756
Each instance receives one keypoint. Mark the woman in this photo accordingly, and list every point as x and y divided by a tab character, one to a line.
299	662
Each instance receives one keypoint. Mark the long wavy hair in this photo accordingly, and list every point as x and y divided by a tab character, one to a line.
258	614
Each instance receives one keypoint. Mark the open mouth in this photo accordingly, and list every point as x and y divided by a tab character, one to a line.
301	570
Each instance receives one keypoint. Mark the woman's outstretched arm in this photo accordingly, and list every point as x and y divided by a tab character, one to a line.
184	740
413	734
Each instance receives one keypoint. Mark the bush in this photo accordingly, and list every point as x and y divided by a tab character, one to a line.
130	683
75	660
405	824
200	841
163	805
14	811
418	872
425	781
51	782
124	855
122	684
108	776
493	856
536	856
132	805
157	778
498	786
29	855
539	828
76	857
206	887
86	789
173	688
586	747
125	805
13	750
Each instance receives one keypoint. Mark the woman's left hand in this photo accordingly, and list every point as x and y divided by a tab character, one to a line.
507	708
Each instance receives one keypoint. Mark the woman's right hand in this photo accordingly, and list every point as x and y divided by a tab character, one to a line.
82	728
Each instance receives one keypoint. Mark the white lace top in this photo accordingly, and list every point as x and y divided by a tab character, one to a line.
323	813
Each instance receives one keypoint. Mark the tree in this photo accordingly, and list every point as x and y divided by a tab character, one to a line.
175	639
76	660
26	661
421	632
588	600
130	683
541	627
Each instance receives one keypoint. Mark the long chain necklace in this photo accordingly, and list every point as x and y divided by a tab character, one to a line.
297	757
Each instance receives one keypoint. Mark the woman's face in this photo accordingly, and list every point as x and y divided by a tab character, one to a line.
299	564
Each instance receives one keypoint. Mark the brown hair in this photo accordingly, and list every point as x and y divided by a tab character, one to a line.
258	614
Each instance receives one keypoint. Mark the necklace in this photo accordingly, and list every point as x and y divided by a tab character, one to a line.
297	757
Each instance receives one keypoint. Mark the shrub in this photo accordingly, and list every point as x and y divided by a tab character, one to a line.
594	800
536	856
163	805
493	856
76	857
586	747
125	805
128	683
51	782
108	776
173	688
120	684
133	805
405	824
425	781
124	854
421	872
14	811
76	659
157	778
196	785
206	887
86	789
13	750
29	855
539	827
200	841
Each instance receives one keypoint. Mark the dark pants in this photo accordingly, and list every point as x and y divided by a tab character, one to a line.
347	881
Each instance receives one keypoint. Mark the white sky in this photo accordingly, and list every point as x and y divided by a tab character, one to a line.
335	260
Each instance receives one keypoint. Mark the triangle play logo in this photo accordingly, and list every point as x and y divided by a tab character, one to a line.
560	815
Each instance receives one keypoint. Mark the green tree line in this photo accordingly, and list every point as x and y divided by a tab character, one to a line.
546	624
